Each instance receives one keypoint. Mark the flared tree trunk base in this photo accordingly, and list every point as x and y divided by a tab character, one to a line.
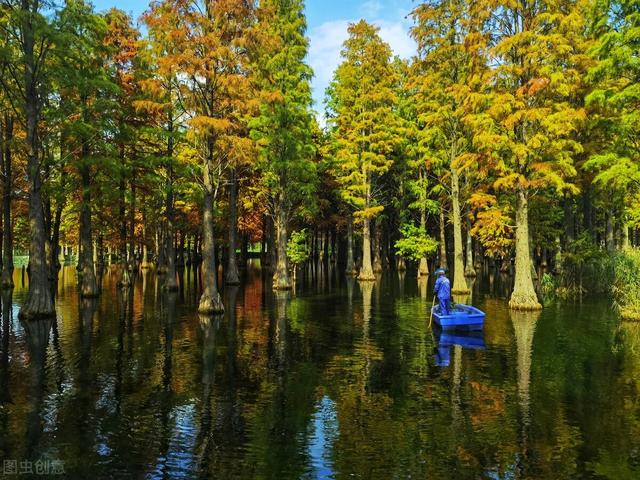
470	273
367	275
210	304
37	307
524	302
423	269
146	266
459	286
460	291
281	282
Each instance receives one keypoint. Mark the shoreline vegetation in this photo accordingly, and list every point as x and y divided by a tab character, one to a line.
626	284
508	143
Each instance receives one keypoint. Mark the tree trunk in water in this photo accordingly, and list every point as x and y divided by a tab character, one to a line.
281	279
125	278
351	266
39	301
423	268
469	270
270	254
54	260
232	275
210	301
180	247
88	284
459	283
6	280
366	271
377	256
443	241
146	265
171	282
524	295
132	260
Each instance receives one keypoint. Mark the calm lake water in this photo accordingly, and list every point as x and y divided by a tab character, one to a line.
335	380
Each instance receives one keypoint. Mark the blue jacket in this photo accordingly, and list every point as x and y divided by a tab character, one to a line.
442	288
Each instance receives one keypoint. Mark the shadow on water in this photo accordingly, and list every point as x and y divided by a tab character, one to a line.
5	332
37	338
338	378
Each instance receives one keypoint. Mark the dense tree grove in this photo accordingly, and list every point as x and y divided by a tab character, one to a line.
508	143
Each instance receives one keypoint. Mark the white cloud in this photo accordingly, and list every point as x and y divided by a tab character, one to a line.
371	8
324	54
326	42
396	34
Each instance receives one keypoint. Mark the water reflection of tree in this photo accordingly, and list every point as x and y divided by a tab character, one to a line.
205	439
37	337
524	327
7	315
618	456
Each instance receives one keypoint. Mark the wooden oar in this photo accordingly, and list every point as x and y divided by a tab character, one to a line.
432	305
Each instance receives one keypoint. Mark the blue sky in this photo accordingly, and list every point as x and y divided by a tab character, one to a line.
327	29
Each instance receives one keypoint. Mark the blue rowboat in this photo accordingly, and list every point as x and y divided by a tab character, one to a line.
460	316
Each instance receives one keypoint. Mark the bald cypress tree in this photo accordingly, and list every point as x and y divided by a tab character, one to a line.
25	54
451	37
526	131
283	128
615	107
364	125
